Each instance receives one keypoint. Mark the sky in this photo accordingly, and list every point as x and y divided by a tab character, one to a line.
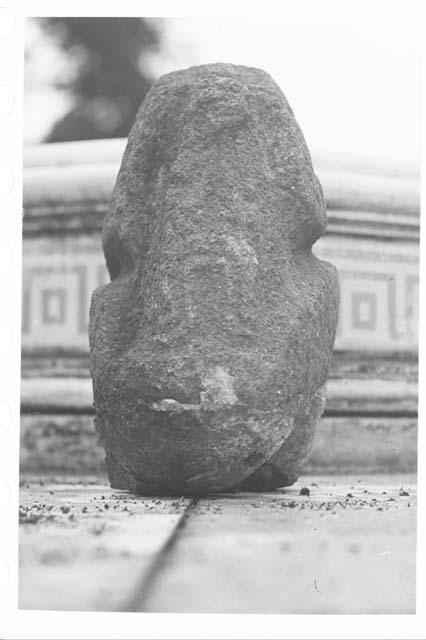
354	86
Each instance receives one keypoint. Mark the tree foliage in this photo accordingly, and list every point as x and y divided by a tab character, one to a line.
110	82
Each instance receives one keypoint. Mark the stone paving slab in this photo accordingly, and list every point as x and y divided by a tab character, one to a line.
326	545
348	547
88	547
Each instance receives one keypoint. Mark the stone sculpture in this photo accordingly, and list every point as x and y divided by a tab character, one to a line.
210	347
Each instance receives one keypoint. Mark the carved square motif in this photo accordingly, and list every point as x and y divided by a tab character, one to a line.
364	310
53	306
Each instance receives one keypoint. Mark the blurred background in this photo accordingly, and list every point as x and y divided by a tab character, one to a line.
355	90
354	86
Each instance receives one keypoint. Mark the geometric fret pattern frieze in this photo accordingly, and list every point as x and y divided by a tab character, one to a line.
378	292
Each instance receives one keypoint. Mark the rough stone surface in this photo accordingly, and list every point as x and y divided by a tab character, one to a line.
210	348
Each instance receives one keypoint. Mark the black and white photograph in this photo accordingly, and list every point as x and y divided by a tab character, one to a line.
219	315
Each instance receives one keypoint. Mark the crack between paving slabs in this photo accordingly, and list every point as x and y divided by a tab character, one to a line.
147	583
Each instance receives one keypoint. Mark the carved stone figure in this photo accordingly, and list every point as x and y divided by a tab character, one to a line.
210	347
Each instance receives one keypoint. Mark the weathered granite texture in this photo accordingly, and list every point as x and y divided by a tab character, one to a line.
210	347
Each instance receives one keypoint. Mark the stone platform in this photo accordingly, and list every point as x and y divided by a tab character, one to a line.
329	544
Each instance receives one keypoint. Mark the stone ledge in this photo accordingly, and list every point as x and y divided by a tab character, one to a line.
349	365
69	444
358	396
67	188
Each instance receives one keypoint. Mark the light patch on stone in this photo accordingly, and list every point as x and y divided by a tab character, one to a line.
219	392
318	401
244	253
168	404
219	388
